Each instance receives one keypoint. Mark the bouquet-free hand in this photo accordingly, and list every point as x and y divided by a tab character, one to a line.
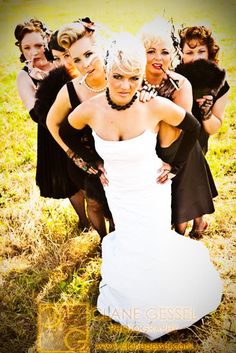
102	174
85	166
205	105
165	174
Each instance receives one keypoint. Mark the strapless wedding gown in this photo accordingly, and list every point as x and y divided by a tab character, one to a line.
153	280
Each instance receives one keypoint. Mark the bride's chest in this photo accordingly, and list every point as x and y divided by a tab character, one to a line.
119	127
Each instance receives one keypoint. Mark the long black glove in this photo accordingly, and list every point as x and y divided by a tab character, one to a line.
81	145
191	128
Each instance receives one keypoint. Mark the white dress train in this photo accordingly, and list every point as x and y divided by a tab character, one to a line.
153	280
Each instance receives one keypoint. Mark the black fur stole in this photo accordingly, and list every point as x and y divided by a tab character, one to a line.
48	90
205	76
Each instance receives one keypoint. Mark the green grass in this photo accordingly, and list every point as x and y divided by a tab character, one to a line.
42	259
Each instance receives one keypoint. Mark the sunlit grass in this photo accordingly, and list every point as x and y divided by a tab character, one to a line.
42	257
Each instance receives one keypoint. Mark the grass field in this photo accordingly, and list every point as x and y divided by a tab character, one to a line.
45	268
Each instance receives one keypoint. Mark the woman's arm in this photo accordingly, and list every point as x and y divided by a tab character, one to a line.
184	98
26	89
214	121
56	115
77	120
174	115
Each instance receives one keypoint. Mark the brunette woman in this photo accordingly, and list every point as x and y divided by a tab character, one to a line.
210	89
33	87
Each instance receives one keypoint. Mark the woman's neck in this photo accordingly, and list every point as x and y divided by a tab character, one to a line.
155	79
46	67
97	82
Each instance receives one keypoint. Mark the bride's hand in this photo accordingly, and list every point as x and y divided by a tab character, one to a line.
165	174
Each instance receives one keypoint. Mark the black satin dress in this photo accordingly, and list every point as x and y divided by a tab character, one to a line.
204	136
52	176
82	142
193	188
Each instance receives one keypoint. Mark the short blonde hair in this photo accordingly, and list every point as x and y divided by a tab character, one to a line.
127	53
71	32
156	31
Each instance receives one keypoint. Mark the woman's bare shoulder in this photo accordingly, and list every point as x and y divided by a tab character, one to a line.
23	75
95	103
159	102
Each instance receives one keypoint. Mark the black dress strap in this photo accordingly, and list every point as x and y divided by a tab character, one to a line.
222	91
74	99
35	81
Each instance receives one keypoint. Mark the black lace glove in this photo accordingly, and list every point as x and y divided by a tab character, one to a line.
205	108
79	141
191	128
85	166
81	147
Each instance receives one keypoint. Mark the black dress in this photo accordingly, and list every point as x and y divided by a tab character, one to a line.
204	136
193	188
52	175
82	142
206	78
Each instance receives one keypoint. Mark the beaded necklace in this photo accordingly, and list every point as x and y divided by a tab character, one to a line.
98	90
119	107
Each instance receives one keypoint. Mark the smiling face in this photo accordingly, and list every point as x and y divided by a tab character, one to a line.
194	50
122	86
86	57
32	46
158	58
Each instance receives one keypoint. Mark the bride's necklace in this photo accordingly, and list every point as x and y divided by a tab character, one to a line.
120	107
95	90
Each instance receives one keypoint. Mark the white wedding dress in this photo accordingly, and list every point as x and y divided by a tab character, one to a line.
153	280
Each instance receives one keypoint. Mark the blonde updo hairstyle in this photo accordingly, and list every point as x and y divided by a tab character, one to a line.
155	32
127	54
71	32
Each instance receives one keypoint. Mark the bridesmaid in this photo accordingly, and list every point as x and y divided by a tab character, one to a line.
51	176
200	52
80	39
193	188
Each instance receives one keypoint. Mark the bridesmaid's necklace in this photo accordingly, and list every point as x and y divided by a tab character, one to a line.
119	107
95	90
149	86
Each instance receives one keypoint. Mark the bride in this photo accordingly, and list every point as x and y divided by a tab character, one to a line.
153	280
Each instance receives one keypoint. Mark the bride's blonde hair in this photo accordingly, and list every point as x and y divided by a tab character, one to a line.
127	53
